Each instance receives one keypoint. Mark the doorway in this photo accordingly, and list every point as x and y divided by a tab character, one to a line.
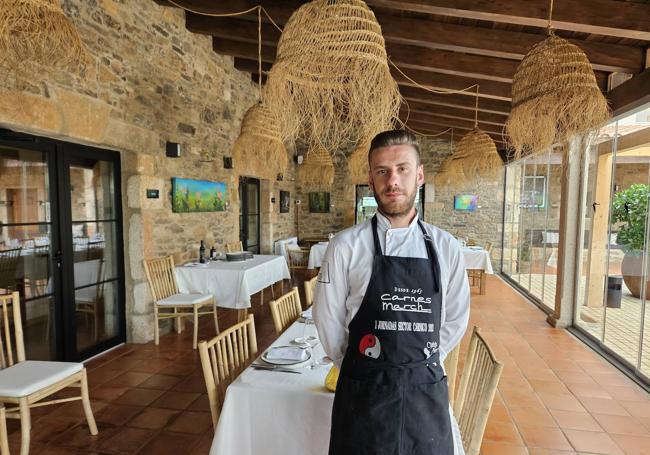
249	214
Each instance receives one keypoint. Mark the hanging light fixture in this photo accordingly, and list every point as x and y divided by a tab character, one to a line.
317	170
451	170
331	85
358	163
36	35
554	96
259	141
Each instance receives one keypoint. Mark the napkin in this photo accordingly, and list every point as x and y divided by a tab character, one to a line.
307	313
287	353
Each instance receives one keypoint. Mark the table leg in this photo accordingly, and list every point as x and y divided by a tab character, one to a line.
242	314
483	282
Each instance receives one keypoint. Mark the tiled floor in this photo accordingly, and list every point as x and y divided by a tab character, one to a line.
555	395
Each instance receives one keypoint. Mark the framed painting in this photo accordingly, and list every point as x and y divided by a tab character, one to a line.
465	202
189	195
284	201
319	202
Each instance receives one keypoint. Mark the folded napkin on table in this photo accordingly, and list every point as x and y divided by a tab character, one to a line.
286	353
307	313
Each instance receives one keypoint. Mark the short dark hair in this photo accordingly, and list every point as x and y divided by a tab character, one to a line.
395	137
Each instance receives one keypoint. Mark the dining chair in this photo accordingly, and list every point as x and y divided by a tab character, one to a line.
476	279
310	288
478	384
488	247
223	358
170	303
234	247
285	310
451	370
89	300
298	258
25	383
8	267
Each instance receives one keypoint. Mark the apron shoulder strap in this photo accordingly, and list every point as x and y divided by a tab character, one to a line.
375	236
431	251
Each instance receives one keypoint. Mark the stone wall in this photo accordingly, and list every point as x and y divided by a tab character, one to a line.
150	81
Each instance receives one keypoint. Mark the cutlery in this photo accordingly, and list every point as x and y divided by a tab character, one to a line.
274	368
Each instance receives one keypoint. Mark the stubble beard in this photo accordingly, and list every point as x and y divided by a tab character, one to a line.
396	209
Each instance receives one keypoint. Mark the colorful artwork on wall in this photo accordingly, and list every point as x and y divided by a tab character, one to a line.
284	201
465	202
189	195
319	202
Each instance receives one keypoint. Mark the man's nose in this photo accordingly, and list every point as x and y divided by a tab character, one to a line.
392	178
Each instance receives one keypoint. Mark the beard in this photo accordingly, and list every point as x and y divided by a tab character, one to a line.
396	207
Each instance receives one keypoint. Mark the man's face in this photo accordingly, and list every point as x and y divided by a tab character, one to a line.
394	178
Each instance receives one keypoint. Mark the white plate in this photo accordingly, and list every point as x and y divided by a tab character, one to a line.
309	341
285	362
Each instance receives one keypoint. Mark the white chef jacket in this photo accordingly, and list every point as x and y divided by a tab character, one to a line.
347	267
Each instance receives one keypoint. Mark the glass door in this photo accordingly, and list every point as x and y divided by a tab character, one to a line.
61	245
249	214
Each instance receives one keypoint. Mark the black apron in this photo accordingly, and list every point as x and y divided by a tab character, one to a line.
392	397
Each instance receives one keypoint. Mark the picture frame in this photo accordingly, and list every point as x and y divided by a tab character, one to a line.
190	195
319	202
285	201
465	202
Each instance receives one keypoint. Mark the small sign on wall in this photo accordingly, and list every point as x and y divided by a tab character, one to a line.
153	193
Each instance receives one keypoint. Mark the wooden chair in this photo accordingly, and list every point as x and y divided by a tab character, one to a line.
89	300
223	358
451	370
285	310
488	247
298	258
234	247
24	383
310	287
8	266
477	279
478	384
169	303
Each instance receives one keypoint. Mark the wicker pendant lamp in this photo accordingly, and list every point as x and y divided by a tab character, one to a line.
259	141
318	169
36	35
358	164
452	170
331	85
554	96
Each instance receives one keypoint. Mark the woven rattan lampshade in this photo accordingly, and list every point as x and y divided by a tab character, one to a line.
36	35
330	85
451	172
554	97
317	170
480	156
259	143
358	164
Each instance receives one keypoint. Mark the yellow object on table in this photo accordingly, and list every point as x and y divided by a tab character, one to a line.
332	378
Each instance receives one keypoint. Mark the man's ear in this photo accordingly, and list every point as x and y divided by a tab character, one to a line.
420	175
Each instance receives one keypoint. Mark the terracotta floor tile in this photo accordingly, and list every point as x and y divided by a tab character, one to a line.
593	442
633	445
139	397
589	390
535	451
502	432
531	416
493	448
126	440
639	408
544	437
191	422
555	386
106	393
175	400
561	401
203	404
626	393
48	428
195	384
128	379
570	377
170	444
153	418
116	414
161	381
621	424
571	420
603	406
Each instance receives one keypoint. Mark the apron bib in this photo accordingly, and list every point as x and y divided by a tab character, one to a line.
392	397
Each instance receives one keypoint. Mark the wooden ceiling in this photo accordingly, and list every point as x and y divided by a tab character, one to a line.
452	44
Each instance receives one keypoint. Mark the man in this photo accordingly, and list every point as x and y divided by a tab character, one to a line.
392	300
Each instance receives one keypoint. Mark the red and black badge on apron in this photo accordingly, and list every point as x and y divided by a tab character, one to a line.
391	397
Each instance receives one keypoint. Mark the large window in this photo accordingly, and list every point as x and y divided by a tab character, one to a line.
531	225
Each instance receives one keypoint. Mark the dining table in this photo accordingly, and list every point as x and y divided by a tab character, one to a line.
274	412
232	283
477	257
316	254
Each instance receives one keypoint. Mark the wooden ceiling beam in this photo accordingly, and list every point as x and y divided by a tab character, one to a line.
415	106
631	94
430	128
455	101
420	32
448	122
600	17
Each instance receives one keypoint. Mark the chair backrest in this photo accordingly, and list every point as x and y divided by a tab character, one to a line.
223	358
12	348
298	257
8	265
451	369
234	247
478	384
310	288
488	247
285	310
161	277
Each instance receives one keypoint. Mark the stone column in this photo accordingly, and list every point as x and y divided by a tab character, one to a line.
567	283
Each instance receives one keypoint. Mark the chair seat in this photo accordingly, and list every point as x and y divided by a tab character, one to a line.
184	299
25	378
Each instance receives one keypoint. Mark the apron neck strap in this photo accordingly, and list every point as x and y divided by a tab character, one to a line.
375	237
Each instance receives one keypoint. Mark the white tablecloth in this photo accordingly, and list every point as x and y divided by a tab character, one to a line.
477	258
233	283
272	413
316	254
280	247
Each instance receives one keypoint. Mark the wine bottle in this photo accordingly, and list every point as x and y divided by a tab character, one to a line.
213	253
202	253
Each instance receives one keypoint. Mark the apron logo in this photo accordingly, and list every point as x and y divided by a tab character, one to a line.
370	346
411	304
431	348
